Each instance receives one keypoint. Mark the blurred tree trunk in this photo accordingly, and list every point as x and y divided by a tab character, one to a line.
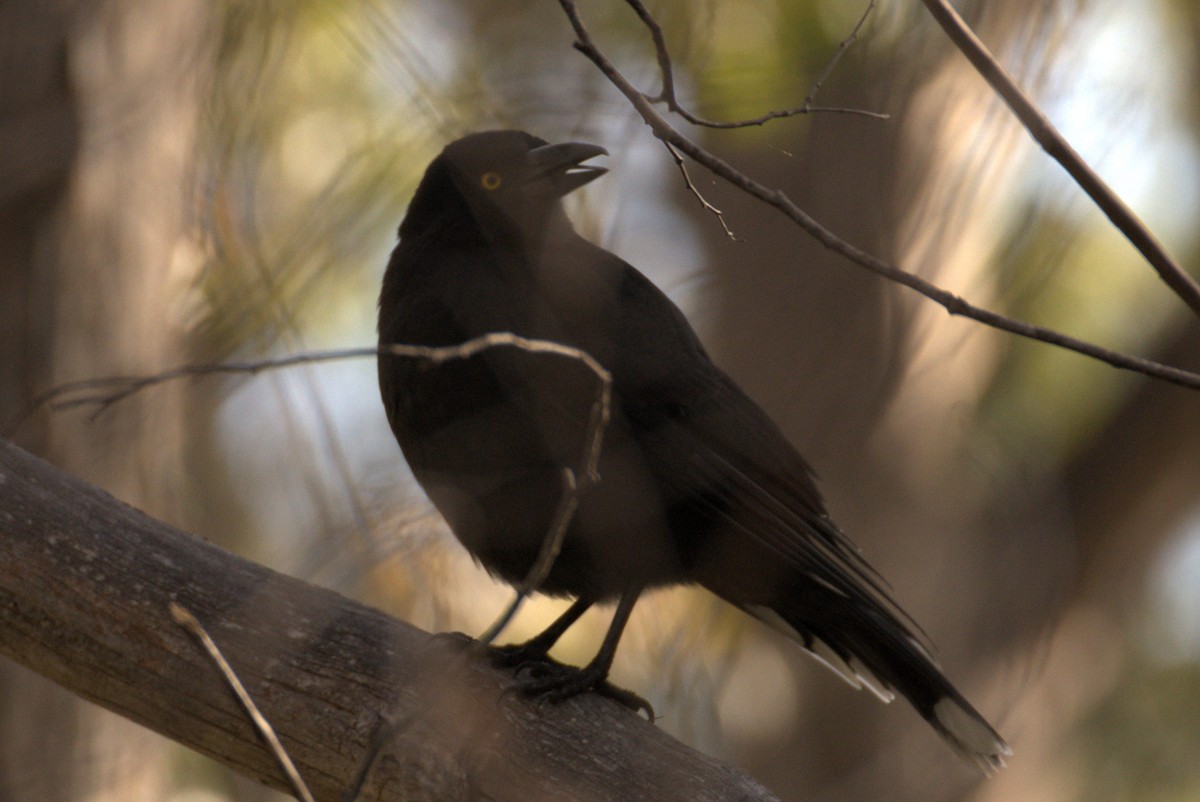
1131	488
39	138
98	121
876	386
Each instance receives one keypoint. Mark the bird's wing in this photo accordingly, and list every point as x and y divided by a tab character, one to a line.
735	459
705	432
713	449
766	542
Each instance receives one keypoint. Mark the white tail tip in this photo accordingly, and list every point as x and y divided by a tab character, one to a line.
971	735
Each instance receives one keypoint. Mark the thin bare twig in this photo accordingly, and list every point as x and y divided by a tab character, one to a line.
687	179
568	503
185	619
953	304
667	71
1053	142
598	419
104	392
840	51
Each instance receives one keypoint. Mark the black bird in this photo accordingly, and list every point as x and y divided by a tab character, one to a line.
697	484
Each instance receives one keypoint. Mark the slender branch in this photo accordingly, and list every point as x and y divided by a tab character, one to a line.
104	392
108	390
667	71
840	51
573	487
598	419
1053	142
953	304
687	179
185	619
568	503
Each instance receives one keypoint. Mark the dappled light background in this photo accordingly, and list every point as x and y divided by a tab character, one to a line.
202	182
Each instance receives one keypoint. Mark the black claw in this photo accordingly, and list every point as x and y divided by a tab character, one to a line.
518	656
548	680
629	699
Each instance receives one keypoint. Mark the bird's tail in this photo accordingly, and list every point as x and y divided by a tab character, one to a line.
871	648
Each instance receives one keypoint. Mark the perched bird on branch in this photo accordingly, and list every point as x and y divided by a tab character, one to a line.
696	484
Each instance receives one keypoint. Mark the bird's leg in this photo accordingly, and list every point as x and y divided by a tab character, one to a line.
563	683
596	671
535	649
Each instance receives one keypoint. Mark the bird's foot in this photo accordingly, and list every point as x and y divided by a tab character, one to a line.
548	680
519	656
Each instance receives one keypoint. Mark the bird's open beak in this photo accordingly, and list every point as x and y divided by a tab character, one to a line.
562	165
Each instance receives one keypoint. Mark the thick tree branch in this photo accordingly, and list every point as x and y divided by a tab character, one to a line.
953	304
85	588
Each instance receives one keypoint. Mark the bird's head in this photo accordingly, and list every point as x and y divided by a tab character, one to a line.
507	179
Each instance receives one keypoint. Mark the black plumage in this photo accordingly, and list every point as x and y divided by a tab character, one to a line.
697	484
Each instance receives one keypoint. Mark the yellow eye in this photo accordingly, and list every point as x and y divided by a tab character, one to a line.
490	181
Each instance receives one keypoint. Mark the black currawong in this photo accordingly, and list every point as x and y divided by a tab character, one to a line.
697	484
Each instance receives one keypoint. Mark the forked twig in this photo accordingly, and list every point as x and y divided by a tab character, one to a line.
598	419
687	179
667	73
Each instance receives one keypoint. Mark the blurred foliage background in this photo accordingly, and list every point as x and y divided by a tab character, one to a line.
191	182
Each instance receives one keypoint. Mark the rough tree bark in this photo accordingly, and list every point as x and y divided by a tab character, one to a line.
85	584
100	103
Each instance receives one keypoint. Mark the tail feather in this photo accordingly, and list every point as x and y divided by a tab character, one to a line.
870	648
